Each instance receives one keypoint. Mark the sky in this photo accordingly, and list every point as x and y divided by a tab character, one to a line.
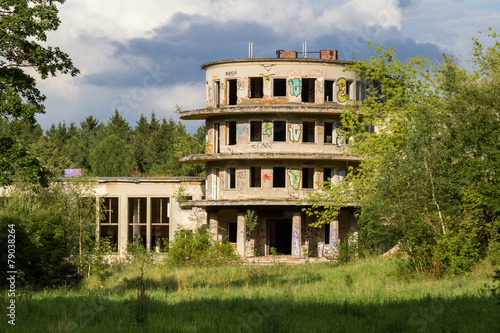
140	57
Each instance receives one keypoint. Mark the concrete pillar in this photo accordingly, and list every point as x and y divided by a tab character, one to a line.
296	234
149	246
241	234
334	237
122	224
213	224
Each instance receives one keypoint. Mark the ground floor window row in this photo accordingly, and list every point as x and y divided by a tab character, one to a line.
281	177
142	214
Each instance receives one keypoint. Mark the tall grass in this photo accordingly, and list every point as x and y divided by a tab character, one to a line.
364	296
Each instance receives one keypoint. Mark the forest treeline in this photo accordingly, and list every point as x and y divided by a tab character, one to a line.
114	148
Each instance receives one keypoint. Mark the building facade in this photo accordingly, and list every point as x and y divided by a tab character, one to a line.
273	137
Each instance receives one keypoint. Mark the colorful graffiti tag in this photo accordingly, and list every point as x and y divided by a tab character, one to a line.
294	177
266	177
295	86
342	90
242	133
296	239
267	80
267	127
294	132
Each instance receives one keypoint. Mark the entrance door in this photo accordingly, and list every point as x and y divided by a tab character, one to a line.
280	236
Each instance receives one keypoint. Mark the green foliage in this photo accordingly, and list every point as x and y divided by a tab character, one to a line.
428	178
112	157
251	221
198	248
54	227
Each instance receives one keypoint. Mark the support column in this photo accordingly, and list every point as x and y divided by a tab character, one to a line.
122	224
334	237
296	234
241	234
213	224
148	224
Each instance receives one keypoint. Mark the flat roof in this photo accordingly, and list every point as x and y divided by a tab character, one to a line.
280	60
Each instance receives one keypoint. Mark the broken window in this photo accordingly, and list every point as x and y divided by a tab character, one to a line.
308	90
307	177
231	178
279	130
327	175
328	132
159	210
109	222
255	175
256	87
232	97
160	226
233	232
256	130
231	132
279	87
308	131
279	174
329	91
137	214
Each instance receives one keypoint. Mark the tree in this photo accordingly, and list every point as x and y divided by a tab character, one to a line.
23	28
428	177
112	157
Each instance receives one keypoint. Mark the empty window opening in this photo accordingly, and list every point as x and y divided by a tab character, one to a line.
329	91
307	177
279	175
256	87
279	87
232	97
256	130
327	233
110	210
217	137
137	212
327	175
231	178
255	175
233	232
308	90
328	132
231	132
216	94
159	210
279	130
308	131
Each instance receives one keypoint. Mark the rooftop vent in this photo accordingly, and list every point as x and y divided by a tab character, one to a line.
323	54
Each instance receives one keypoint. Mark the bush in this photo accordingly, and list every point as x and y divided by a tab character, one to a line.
197	248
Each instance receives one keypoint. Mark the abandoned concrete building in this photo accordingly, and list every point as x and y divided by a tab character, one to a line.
272	132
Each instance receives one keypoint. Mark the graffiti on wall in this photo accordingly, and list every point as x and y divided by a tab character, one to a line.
242	83
260	146
242	133
267	127
296	239
266	177
295	86
320	85
341	90
319	179
231	73
294	132
240	181
267	80
294	177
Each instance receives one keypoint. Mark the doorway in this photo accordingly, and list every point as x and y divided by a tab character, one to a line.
280	236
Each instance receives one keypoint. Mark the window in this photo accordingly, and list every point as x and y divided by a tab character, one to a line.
137	212
110	210
329	91
327	174
231	132
233	232
256	131
232	97
279	87
307	177
308	90
217	137
328	132
308	131
279	177
341	174
159	210
231	178
327	233
255	175
279	130
256	87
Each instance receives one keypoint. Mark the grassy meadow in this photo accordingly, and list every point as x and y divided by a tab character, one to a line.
364	296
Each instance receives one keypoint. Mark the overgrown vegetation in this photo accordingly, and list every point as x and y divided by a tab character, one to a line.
428	180
197	248
365	295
